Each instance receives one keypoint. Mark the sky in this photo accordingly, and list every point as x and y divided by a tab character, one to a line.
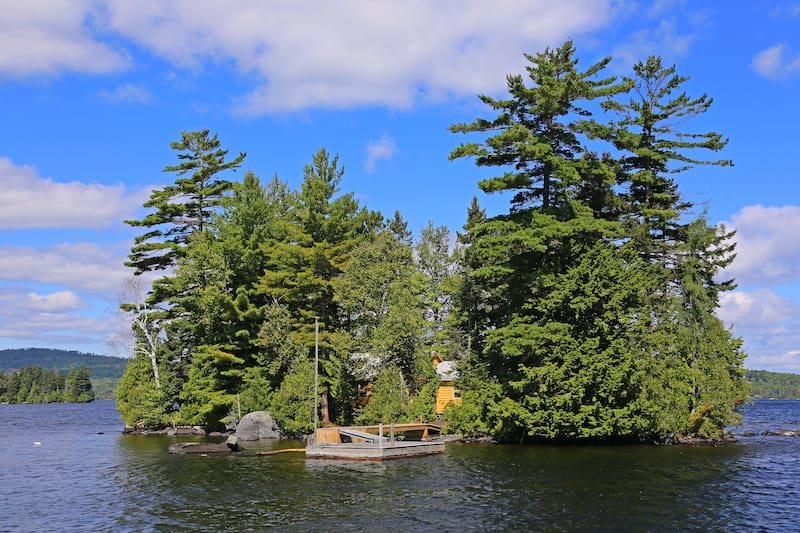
92	92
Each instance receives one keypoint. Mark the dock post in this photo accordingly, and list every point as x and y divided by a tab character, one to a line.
380	434
391	433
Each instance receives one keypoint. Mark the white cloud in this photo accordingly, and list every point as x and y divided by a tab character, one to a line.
79	266
768	245
383	148
774	63
792	10
341	54
769	325
52	320
51	37
669	39
659	7
127	93
760	310
29	201
54	302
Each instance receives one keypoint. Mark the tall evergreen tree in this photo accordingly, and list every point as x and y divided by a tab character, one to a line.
399	227
712	355
593	313
536	138
303	264
183	306
515	256
185	207
379	293
655	148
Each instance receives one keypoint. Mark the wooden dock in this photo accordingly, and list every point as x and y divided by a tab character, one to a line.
369	443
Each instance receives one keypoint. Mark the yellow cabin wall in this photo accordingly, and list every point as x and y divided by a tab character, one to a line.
446	394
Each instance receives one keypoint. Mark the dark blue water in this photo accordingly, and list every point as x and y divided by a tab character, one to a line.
86	476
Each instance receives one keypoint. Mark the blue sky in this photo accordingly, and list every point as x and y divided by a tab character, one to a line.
93	91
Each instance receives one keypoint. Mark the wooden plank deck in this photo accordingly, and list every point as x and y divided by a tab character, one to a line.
412	430
326	443
359	435
368	451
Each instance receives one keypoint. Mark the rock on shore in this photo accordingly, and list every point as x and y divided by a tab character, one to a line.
257	425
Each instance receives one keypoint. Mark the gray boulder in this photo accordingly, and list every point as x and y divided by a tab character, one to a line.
257	425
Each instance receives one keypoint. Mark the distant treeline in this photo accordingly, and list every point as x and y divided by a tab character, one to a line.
102	366
777	385
106	370
33	384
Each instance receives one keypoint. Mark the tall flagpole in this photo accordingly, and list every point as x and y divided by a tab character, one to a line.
316	370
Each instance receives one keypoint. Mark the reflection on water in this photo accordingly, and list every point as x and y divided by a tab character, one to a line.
87	476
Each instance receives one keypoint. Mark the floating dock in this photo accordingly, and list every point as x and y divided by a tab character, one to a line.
362	444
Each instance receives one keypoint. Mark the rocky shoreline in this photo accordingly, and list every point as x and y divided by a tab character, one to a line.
177	431
771	433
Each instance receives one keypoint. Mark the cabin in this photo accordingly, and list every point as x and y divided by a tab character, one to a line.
448	392
366	367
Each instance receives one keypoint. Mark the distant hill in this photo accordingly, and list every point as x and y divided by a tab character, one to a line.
102	366
775	385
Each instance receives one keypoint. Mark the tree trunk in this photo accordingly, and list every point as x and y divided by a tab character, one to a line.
326	416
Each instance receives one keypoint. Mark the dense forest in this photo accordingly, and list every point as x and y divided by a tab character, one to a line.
774	385
32	384
106	370
586	311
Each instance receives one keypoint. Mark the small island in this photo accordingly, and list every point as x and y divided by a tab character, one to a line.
583	311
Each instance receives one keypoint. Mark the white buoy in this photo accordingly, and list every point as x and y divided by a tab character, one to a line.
37	443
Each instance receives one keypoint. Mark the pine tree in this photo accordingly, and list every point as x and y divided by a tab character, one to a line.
536	139
514	257
591	302
185	207
655	148
304	262
181	313
711	353
439	265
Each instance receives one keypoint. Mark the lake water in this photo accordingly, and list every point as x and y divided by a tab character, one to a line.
86	476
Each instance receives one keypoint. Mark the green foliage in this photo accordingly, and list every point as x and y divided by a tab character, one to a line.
590	305
293	403
390	400
585	312
379	295
102	366
477	415
422	405
206	397
78	386
654	148
186	207
139	402
317	239
709	350
33	384
536	143
438	264
774	385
